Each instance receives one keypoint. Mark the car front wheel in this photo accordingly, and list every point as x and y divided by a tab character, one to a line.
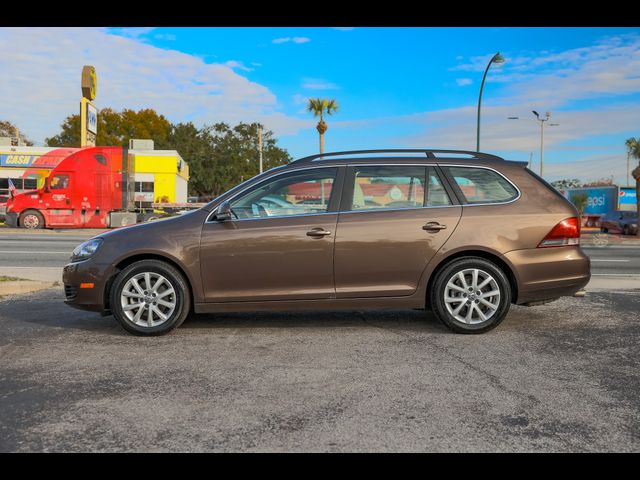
150	297
470	295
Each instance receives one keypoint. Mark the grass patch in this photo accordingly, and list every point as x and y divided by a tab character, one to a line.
4	278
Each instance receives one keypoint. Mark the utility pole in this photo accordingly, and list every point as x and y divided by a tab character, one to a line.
260	145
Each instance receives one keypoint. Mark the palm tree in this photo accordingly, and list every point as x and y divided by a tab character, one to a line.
320	106
633	149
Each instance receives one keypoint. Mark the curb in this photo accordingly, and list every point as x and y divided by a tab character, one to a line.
20	287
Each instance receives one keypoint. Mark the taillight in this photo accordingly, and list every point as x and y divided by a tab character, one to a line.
567	232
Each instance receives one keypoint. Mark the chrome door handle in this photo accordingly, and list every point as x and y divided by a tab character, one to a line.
433	227
318	232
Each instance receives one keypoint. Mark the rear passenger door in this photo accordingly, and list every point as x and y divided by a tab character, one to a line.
393	219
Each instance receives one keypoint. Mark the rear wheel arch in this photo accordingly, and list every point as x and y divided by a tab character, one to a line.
492	257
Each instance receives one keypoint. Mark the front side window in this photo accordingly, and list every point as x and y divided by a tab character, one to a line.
59	182
388	187
481	185
299	193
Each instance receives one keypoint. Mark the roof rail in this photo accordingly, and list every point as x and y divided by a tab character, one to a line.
430	153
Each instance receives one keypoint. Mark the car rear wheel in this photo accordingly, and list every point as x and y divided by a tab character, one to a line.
31	219
626	230
150	297
470	295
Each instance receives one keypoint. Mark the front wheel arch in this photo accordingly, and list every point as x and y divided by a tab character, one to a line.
145	256
31	211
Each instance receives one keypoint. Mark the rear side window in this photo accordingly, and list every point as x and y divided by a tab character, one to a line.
481	185
388	187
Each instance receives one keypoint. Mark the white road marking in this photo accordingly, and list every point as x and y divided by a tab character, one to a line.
64	252
616	275
609	260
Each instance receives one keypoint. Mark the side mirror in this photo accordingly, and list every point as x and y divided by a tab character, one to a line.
46	185
223	214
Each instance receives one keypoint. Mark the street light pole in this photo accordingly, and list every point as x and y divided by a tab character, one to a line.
542	122
260	145
497	58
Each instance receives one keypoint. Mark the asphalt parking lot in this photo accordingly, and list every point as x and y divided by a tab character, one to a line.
560	377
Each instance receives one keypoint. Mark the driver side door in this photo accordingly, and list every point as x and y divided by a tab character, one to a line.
278	244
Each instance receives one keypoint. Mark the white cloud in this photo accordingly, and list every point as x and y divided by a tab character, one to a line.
299	99
291	39
44	86
463	81
318	84
593	167
165	36
238	65
457	127
131	32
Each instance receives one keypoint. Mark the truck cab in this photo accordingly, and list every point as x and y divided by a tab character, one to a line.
83	191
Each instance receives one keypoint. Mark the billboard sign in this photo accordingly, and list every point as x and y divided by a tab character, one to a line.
92	118
600	200
627	198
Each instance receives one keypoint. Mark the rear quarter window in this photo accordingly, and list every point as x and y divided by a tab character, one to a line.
481	185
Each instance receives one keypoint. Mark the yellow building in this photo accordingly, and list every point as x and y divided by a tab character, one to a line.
160	176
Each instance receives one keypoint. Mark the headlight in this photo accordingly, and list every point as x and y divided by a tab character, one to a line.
86	249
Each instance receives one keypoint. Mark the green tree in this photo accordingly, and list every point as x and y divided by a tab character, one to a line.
633	148
566	183
220	156
580	199
8	129
116	128
320	106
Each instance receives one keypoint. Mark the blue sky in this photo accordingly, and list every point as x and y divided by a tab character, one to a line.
397	87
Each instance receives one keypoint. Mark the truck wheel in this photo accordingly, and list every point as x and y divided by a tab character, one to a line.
150	297
31	219
470	295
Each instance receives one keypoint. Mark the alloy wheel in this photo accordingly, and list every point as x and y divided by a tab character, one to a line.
472	296
148	299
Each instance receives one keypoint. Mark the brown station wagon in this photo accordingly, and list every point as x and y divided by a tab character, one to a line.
464	234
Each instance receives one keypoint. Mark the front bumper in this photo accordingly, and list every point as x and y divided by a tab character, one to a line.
86	272
11	219
549	273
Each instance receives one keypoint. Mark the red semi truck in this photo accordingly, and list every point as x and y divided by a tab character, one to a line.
91	188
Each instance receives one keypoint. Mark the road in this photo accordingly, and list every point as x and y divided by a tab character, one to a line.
554	378
47	252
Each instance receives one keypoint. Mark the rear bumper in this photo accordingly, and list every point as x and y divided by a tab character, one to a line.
549	273
86	272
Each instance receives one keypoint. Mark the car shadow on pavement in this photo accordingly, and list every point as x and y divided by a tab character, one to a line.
46	309
397	320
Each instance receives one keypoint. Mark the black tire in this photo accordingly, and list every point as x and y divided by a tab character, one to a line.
626	230
182	297
439	306
31	219
604	230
